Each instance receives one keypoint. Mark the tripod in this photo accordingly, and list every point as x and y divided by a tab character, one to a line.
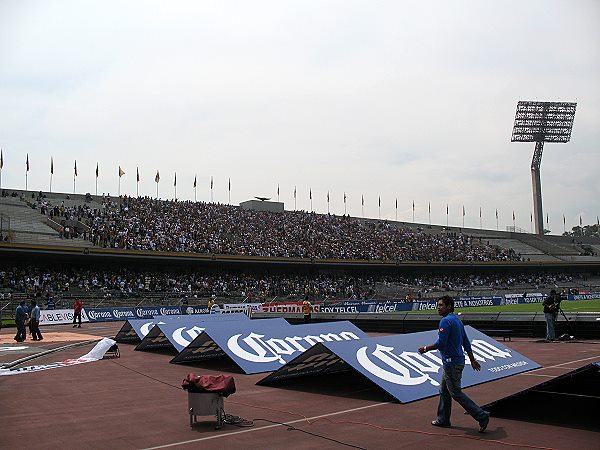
565	336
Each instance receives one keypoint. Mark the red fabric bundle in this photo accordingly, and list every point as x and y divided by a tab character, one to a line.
219	384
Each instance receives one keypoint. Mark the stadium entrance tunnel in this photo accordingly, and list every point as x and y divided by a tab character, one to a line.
570	400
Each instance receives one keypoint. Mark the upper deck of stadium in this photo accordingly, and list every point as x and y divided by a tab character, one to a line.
145	227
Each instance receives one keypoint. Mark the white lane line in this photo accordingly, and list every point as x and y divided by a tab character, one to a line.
250	430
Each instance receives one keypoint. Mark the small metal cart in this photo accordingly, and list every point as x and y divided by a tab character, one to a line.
206	404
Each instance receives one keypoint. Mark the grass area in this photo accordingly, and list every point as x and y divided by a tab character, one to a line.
567	306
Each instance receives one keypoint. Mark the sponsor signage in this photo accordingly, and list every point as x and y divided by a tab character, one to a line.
110	314
203	346
60	316
264	346
590	296
394	364
178	332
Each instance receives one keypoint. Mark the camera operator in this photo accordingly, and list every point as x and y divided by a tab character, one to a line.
551	305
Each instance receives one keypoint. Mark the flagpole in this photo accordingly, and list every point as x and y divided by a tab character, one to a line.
119	186
429	213
50	182
25	181
446	215
137	188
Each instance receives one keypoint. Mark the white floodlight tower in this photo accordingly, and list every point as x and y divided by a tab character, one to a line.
541	122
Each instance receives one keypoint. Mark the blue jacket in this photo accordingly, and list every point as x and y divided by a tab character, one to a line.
21	313
452	338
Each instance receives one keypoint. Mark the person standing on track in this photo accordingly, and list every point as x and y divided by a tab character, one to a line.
34	322
306	310
550	313
452	339
77	307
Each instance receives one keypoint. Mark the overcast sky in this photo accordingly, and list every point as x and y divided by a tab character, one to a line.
407	100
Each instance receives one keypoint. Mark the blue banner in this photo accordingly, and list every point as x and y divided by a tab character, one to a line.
264	345
394	364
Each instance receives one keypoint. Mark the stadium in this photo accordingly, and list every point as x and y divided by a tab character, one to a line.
299	225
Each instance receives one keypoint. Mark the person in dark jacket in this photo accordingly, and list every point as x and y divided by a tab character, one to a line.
452	339
550	312
20	321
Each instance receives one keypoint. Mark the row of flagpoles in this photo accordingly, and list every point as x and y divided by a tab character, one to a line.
121	172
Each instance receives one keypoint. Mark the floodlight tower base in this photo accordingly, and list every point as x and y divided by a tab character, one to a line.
538	213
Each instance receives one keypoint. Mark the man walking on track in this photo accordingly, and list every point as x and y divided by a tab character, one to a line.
34	322
452	338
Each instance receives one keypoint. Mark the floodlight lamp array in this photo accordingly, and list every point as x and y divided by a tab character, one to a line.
543	121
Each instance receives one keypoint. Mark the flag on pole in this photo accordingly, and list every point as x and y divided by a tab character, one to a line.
277	191
229	185
157	177
310	193
396	202
51	166
175	181
211	182
531	217
480	212
327	196
513	215
75	168
380	201
362	200
344	198
121	172
27	163
294	191
194	180
413	206
1	160
137	174
547	219
96	170
580	221
429	207
564	220
496	214
463	210
446	208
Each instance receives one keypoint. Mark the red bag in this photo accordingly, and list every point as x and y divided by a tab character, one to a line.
219	384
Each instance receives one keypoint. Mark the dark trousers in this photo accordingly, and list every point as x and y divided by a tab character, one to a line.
306	318
34	327
75	316
21	332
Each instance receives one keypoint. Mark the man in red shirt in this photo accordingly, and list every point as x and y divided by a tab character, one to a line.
77	307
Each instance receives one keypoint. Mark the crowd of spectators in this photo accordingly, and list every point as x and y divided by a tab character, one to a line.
127	282
145	223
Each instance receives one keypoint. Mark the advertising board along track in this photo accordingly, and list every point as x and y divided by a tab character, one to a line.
264	345
394	364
